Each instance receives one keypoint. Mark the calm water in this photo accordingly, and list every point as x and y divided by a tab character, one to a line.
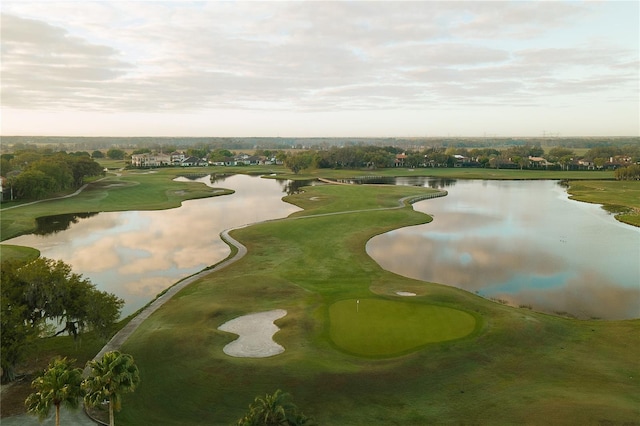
137	254
523	242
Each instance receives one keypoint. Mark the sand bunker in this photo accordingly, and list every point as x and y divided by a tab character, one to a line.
405	293
255	335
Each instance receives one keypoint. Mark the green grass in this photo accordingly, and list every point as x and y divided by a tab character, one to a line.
18	253
621	197
516	366
378	328
131	190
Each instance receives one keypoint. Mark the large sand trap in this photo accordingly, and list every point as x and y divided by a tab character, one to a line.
255	335
405	293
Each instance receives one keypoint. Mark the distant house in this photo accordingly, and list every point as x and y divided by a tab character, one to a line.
617	162
193	162
245	160
400	159
460	160
264	161
538	162
253	160
150	160
177	157
586	164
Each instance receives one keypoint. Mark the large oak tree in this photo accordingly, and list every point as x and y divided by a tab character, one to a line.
45	292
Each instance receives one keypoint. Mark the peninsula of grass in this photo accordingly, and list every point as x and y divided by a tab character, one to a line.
515	366
128	190
621	198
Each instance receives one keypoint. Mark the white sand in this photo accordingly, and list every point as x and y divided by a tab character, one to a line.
405	293
255	335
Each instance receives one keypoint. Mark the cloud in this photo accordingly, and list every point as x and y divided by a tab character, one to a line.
313	56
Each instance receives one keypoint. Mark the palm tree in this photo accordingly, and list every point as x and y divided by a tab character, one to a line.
113	375
274	410
58	385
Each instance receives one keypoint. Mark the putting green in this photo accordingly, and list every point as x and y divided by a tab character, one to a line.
377	327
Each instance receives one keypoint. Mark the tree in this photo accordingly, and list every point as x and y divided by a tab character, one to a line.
631	172
298	161
33	184
82	167
116	154
274	410
58	385
57	168
97	154
557	153
111	376
17	331
47	290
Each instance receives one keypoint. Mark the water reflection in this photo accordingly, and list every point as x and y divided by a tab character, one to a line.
291	187
425	181
61	222
137	254
525	243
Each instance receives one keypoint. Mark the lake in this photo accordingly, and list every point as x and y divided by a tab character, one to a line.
138	254
523	243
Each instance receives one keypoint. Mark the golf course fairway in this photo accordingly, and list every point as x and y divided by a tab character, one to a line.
443	356
376	327
515	366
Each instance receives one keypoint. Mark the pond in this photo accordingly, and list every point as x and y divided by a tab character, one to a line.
524	243
138	254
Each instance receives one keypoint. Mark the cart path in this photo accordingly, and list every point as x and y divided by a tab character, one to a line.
121	336
78	417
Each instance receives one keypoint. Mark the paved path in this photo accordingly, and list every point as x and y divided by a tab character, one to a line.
49	199
78	417
67	418
82	188
124	333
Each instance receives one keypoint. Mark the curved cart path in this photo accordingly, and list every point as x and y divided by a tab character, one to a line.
124	333
78	417
121	336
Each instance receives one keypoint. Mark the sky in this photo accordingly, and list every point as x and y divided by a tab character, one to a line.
320	68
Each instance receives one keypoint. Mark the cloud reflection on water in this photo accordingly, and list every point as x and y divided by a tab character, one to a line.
523	242
138	254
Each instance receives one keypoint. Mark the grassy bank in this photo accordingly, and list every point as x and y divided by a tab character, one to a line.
18	253
155	189
619	197
128	190
516	367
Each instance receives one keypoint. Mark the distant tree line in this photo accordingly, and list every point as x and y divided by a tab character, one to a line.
66	143
40	173
516	156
